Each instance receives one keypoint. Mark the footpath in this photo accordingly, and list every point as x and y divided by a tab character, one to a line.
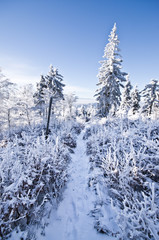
72	220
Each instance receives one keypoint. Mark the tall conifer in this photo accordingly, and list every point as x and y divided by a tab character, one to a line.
110	77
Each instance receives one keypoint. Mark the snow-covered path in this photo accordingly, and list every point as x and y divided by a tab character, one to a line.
72	220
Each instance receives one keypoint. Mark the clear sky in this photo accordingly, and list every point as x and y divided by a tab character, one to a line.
72	34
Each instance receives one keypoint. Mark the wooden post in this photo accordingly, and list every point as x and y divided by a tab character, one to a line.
48	120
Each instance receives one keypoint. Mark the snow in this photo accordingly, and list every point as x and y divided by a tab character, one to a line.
106	189
72	221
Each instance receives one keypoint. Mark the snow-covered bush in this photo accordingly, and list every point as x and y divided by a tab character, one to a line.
33	172
124	158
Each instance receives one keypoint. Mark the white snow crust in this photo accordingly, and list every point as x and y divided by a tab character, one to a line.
72	221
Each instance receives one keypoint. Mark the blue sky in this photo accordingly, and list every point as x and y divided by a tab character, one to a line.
72	34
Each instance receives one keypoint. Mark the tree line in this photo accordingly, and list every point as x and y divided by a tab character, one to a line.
111	80
114	95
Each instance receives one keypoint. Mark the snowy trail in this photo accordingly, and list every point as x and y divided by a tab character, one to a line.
72	220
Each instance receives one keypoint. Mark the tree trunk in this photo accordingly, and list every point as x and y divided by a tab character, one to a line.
48	120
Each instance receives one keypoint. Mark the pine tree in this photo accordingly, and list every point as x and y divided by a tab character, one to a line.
135	100
54	84
110	77
50	86
40	96
126	96
150	94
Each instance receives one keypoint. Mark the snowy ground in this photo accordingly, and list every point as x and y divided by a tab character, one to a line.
72	220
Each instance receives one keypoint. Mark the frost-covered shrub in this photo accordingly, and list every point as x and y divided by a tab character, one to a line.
124	163
33	172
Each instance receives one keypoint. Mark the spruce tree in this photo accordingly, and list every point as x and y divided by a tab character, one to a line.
54	84
135	100
150	94
110	77
126	97
40	96
50	86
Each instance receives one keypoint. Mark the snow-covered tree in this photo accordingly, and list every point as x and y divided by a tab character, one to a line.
110	77
50	86
26	103
5	87
68	104
40	94
126	97
8	99
150	94
54	84
82	111
135	100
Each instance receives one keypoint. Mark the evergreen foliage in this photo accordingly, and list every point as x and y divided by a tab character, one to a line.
110	77
49	86
150	94
135	100
54	84
40	94
126	97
